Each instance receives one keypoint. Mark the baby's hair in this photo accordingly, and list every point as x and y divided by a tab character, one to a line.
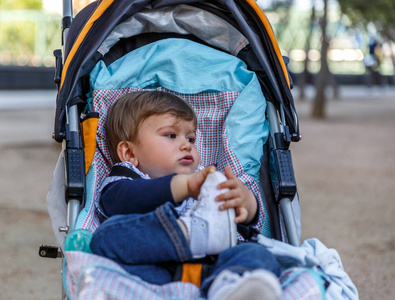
129	111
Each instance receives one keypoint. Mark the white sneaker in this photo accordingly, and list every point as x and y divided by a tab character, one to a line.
256	285
210	230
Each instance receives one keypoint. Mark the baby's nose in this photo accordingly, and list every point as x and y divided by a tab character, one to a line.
186	145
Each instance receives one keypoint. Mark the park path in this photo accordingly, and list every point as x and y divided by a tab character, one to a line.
344	165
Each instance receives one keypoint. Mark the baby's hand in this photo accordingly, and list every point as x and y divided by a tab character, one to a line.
183	185
238	197
195	181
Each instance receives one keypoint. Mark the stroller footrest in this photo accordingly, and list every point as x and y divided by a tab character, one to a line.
49	251
285	172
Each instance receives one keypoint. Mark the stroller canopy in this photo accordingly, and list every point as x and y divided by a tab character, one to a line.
99	33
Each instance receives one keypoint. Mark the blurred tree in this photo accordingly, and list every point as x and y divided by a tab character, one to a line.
20	4
324	76
27	33
380	13
304	76
282	8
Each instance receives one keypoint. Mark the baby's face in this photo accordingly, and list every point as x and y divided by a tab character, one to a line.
165	145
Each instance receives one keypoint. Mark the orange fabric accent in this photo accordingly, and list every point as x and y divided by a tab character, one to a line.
192	273
104	4
88	132
269	30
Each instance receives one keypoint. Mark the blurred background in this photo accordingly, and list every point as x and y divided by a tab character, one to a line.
341	59
349	41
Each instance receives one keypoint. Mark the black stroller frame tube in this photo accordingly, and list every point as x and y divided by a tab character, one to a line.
289	221
73	153
72	140
67	18
286	178
74	166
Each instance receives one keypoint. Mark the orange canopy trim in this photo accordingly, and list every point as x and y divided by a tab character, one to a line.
96	15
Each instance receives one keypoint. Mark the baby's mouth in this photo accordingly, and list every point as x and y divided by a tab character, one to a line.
187	160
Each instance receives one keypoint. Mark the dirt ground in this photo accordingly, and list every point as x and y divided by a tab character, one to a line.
344	166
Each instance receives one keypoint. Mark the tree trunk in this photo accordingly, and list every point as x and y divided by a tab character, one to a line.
305	74
319	104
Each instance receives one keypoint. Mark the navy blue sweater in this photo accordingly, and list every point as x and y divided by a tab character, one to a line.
137	196
140	196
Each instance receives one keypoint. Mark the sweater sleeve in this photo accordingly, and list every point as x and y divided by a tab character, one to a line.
136	196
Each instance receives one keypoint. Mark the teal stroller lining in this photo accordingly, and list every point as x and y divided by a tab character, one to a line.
220	102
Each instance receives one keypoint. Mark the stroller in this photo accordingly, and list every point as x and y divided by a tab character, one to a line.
222	57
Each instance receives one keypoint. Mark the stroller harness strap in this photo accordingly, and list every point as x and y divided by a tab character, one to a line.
88	131
192	273
124	172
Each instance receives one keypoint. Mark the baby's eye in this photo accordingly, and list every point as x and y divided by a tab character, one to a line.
191	139
171	135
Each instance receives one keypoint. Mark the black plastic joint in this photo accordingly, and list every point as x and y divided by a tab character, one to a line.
296	137
58	66
280	139
66	22
75	174
48	251
287	135
73	139
286	176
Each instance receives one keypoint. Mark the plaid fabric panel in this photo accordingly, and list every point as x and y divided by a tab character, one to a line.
302	287
91	221
229	158
102	100
91	276
211	110
212	144
213	147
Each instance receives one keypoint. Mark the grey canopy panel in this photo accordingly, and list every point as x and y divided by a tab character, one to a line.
182	19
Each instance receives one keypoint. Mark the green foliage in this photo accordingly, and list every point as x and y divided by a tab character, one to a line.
20	4
28	37
380	12
19	38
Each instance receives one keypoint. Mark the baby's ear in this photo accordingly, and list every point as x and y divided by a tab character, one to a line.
125	152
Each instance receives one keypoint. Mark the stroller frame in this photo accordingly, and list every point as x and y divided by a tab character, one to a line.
281	115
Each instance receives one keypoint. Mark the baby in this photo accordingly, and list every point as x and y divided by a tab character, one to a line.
153	219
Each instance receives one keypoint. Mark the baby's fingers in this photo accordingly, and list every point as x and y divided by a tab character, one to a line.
206	171
228	173
231	203
241	215
228	184
229	195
